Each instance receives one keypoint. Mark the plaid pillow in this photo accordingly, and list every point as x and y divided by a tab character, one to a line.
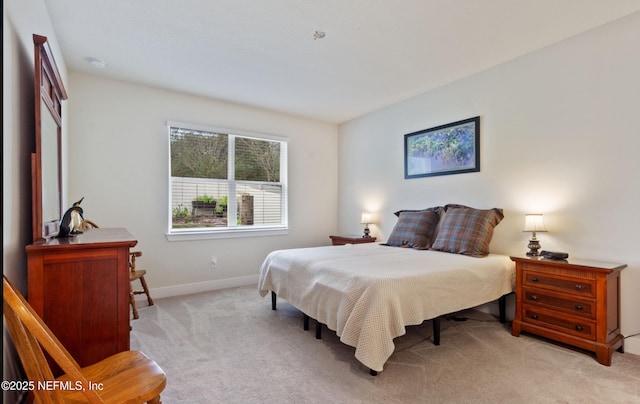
467	231
437	209
414	229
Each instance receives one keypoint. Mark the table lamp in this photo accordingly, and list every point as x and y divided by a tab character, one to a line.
533	223
367	218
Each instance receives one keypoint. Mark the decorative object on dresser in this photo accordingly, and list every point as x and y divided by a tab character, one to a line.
573	301
342	240
367	219
128	376
88	224
80	287
72	220
534	223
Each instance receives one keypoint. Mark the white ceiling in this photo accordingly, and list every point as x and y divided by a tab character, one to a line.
263	52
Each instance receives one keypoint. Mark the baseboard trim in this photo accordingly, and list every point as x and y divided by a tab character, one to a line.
632	345
198	287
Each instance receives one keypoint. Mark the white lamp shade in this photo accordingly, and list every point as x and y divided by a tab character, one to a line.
367	218
534	223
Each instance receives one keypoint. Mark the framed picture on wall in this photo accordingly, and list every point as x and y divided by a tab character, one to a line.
453	148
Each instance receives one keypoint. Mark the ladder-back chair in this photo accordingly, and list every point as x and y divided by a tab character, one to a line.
126	377
137	275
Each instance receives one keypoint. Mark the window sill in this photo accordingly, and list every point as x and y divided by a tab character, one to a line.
207	234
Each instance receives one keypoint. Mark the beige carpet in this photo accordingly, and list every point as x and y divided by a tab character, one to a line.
228	346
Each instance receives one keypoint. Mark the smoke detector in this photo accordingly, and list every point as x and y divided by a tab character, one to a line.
97	63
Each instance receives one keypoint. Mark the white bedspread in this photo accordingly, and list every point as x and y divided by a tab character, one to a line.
368	293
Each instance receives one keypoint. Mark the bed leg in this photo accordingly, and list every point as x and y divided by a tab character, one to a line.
373	372
305	325
502	306
436	330
273	300
318	330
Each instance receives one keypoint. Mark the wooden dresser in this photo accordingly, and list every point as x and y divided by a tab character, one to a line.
80	288
575	302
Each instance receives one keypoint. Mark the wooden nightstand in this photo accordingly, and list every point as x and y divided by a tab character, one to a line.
575	302
342	240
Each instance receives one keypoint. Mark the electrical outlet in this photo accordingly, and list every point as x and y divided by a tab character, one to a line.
214	262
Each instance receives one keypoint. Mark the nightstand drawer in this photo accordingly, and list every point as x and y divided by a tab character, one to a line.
570	305
569	325
582	287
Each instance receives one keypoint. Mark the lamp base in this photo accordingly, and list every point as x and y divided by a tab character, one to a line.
534	246
367	233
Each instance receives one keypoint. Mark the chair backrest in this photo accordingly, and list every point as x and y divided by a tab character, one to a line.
132	259
31	335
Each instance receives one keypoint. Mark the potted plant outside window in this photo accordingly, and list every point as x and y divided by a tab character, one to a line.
203	202
221	208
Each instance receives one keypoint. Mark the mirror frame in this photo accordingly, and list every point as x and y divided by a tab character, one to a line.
49	93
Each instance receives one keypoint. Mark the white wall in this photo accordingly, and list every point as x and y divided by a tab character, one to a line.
559	135
118	147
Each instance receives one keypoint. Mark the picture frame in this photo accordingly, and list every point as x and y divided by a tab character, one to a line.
453	148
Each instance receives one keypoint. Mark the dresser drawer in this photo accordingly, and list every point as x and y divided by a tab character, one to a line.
567	324
577	286
568	304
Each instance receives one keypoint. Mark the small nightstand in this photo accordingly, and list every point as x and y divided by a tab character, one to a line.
342	240
575	302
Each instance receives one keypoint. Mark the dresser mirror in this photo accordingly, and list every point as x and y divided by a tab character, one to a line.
46	168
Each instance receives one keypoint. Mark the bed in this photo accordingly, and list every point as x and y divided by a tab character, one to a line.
369	293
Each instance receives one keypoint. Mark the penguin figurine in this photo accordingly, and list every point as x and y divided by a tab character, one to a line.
72	220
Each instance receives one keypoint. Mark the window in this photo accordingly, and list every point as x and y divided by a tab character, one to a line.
225	182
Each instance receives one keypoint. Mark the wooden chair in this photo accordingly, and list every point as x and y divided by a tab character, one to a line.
137	274
126	377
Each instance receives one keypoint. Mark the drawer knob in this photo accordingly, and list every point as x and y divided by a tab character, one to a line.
535	279
579	307
579	327
534	297
534	316
579	287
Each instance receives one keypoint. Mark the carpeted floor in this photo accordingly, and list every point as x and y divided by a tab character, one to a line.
228	346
